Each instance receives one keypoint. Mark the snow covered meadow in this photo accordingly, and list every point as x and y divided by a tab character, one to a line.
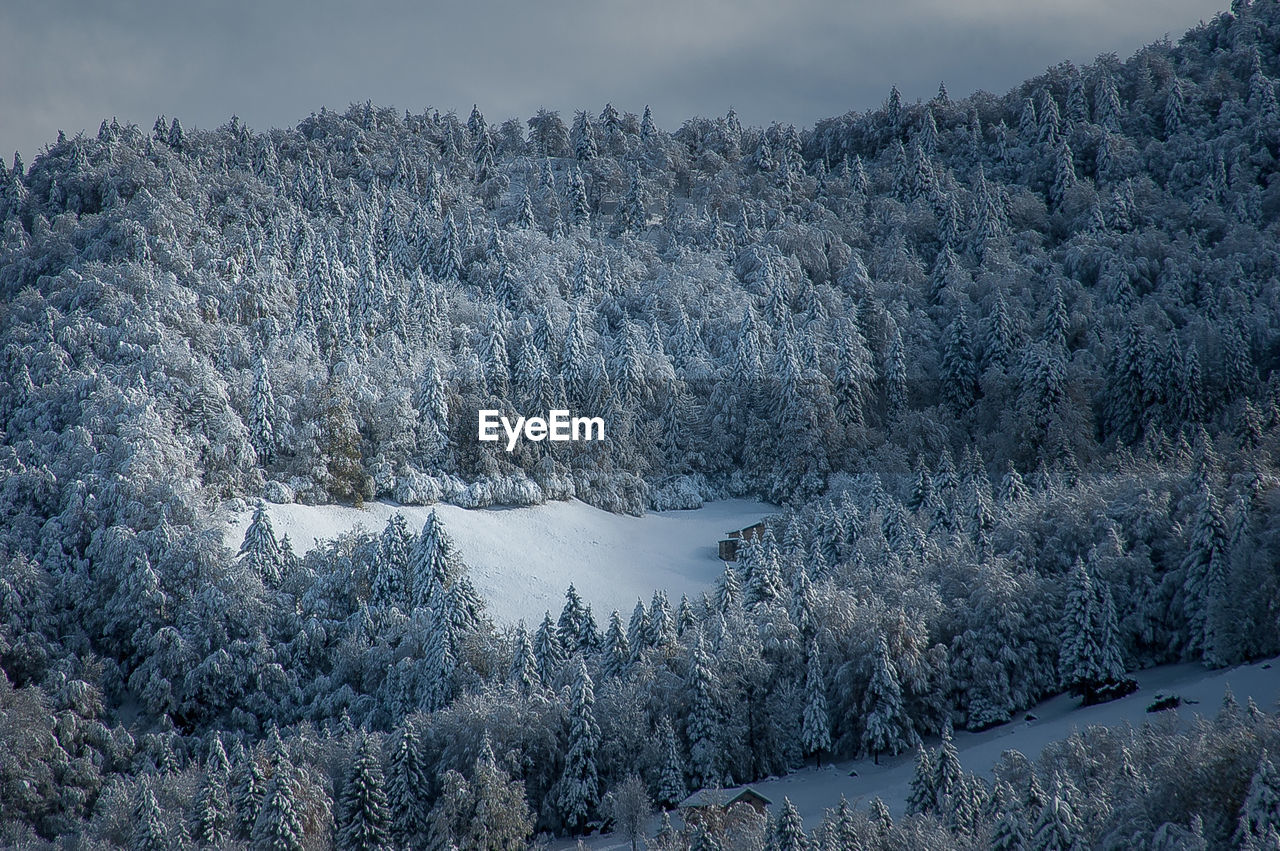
523	559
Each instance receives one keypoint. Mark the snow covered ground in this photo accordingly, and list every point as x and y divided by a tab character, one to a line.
523	559
814	790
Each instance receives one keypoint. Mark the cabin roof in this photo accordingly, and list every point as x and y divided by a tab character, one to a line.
722	798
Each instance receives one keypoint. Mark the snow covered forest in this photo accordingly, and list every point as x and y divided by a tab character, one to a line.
1009	365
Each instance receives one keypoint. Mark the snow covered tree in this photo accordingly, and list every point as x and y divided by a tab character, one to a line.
149	832
260	551
572	617
886	725
1010	831
363	819
1056	828
211	820
788	833
959	367
816	728
433	565
1260	812
264	418
487	811
702	720
672	787
617	651
278	826
1205	570
1089	660
407	782
389	571
247	794
579	787
631	213
923	796
548	651
524	663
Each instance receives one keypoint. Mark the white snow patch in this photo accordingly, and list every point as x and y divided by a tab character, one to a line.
522	559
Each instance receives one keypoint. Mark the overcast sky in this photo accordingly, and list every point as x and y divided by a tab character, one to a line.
67	65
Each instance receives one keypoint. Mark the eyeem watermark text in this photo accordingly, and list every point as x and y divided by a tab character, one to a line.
556	426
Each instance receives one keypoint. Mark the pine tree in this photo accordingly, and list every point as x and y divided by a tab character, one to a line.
1055	829
433	565
436	670
959	368
886	725
789	833
923	797
631	214
579	790
390	568
578	207
638	630
250	787
922	487
880	817
617	652
408	779
570	625
816	727
211	820
702	720
264	418
1089	657
149	832
1260	812
672	787
260	550
363	819
583	137
1205	569
948	776
855	374
279	825
548	651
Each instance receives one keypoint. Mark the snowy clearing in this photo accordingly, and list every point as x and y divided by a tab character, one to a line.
522	559
815	790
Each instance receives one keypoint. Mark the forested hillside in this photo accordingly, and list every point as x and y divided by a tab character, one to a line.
1010	364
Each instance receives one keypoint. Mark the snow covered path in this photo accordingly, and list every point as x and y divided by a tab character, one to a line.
814	790
523	559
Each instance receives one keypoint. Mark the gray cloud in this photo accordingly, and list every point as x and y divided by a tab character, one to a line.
67	65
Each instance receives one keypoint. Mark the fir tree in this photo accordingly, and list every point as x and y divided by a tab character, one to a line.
279	824
1055	829
264	418
789	833
923	796
886	725
1260	812
250	787
948	776
260	550
1089	658
579	789
816	728
1205	569
408	779
702	721
617	651
363	819
149	832
671	781
212	817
